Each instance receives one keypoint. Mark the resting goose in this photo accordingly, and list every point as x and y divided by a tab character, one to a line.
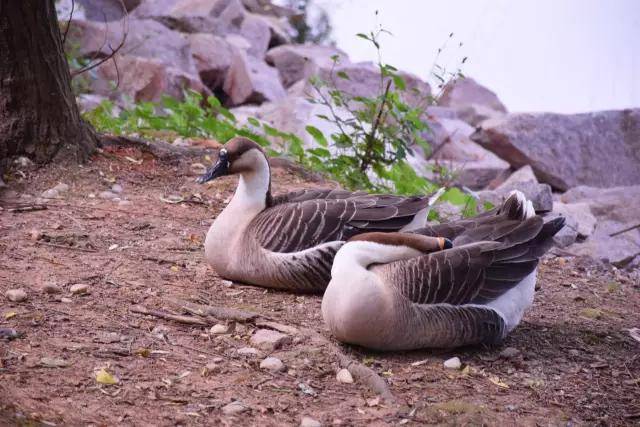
469	285
288	242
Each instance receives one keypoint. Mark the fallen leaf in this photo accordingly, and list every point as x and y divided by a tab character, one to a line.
591	313
173	199
10	314
498	382
175	268
104	377
144	352
635	333
132	160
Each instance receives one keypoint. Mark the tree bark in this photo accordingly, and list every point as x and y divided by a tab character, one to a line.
38	112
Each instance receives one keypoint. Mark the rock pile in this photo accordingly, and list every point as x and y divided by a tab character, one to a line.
585	167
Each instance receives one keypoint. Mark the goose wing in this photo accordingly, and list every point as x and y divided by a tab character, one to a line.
315	194
474	273
298	225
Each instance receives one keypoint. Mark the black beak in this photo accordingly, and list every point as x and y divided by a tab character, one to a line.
221	168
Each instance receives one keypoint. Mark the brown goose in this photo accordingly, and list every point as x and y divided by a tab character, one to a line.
471	284
289	241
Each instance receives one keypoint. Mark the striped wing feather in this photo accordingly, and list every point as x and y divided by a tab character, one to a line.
301	224
474	273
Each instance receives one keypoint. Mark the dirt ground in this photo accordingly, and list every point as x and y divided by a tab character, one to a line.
574	363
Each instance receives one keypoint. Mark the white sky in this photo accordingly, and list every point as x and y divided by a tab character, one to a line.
537	55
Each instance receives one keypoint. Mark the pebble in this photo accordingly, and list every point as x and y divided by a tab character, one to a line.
23	162
49	194
269	340
51	288
61	187
453	363
66	300
248	351
35	235
344	376
219	329
272	364
211	368
309	422
116	188
79	289
124	203
160	331
236	407
16	295
108	195
509	353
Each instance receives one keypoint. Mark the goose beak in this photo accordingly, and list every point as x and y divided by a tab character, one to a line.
221	168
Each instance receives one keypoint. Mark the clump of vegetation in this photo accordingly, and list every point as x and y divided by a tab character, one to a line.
368	152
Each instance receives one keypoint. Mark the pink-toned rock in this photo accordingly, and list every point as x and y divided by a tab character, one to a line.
598	149
212	56
143	79
473	101
251	80
296	62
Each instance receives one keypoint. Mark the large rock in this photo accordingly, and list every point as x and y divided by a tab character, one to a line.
473	101
472	165
143	79
364	80
296	62
212	56
539	194
107	10
251	80
579	222
597	149
145	38
616	209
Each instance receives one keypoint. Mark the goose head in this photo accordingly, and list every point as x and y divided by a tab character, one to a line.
238	156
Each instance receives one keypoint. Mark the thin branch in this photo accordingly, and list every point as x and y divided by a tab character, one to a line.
366	160
66	30
189	320
624	230
72	248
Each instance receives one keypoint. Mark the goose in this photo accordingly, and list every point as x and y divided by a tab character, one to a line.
288	242
442	286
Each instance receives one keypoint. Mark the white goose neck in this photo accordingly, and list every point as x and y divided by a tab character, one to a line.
361	254
254	184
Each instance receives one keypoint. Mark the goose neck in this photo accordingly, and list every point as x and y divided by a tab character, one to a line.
360	255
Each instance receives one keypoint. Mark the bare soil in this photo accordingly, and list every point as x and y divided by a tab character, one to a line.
576	361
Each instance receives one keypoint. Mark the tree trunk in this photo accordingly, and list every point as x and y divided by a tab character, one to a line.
38	112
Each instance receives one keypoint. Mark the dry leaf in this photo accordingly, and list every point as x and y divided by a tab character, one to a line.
104	377
10	314
498	382
132	160
173	199
175	268
144	352
51	362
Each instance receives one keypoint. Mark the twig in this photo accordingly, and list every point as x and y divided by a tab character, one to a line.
372	136
66	30
72	248
29	208
624	230
189	320
220	313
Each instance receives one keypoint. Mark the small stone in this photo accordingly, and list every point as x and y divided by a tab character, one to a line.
453	363
344	376
160	331
79	289
61	187
35	235
66	300
509	353
16	295
23	162
219	329
52	362
233	408
50	194
51	288
211	368
269	340
309	422
116	188
248	351
107	195
272	364
124	203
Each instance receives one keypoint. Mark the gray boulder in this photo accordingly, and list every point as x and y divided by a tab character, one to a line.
616	209
251	80
212	56
473	102
597	149
296	62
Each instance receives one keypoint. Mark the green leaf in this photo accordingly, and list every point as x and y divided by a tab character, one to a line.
399	82
317	135
253	121
343	75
